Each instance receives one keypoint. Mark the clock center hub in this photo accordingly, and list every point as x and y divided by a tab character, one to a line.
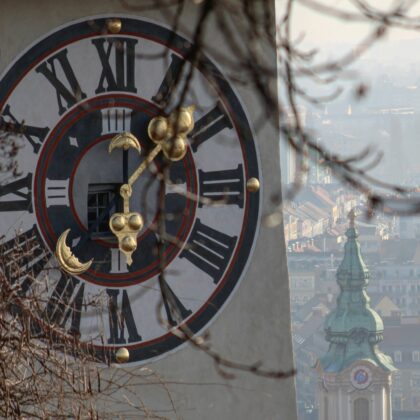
95	189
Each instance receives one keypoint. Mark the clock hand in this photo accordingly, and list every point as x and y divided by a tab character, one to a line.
125	166
170	136
144	165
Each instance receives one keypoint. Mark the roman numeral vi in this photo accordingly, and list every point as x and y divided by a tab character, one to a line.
121	317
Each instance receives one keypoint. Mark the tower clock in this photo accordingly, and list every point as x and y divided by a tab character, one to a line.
142	176
91	101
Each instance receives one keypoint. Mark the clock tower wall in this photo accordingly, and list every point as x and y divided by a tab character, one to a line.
254	325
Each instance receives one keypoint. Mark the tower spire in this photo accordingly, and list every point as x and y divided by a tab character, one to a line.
353	328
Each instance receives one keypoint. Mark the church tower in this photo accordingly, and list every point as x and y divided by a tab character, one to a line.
354	375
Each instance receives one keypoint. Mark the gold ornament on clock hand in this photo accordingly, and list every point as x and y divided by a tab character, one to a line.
170	136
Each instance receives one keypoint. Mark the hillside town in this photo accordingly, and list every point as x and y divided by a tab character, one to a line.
315	224
315	227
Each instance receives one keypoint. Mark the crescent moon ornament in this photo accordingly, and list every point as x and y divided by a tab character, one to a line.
66	259
124	140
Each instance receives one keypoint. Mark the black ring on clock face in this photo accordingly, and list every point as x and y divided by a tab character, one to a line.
211	252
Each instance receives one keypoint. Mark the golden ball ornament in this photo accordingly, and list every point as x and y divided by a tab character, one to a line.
122	355
175	149
118	222
128	243
135	222
253	185
113	26
158	129
182	121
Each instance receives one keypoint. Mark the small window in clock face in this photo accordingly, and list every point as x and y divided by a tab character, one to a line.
100	206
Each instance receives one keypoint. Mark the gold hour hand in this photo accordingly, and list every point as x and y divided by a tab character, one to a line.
143	166
170	136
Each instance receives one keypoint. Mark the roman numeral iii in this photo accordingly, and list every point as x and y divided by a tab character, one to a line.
222	187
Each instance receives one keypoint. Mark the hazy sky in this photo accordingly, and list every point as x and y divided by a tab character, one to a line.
397	55
322	30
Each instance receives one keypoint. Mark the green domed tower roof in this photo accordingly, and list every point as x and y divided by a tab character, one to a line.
353	329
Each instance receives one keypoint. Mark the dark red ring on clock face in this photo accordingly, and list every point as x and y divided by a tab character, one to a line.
51	229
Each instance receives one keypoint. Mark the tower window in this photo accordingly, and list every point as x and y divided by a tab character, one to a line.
100	206
361	409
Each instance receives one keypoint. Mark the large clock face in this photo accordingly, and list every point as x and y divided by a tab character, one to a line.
70	94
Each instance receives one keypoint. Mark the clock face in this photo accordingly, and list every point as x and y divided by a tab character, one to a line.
69	94
361	377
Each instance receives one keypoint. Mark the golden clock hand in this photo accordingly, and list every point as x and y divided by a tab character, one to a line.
144	165
170	136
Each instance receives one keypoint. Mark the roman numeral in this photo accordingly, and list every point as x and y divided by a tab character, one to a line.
118	262
175	310
119	318
57	192
19	193
35	135
208	249
72	93
65	304
209	125
115	120
23	258
119	76
170	80
222	187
